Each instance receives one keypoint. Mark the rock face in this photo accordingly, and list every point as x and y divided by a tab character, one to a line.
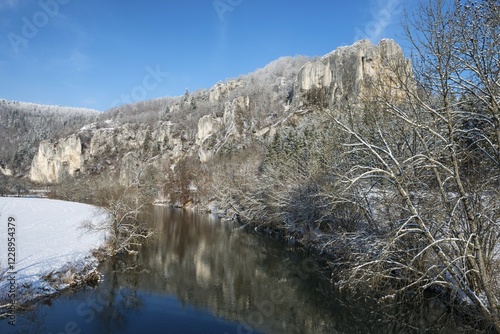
234	115
349	73
215	131
55	160
207	126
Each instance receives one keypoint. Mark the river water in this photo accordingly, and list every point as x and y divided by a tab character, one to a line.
200	275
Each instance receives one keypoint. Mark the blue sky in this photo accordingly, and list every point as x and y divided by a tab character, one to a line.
97	54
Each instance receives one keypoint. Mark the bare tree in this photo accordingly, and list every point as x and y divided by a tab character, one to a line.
443	228
127	230
476	52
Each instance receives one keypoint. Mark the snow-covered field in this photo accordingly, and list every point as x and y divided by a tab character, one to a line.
48	238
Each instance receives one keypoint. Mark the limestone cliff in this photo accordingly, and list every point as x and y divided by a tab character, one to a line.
93	151
349	74
226	118
54	160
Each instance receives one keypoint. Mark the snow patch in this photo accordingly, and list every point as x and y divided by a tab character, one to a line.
49	238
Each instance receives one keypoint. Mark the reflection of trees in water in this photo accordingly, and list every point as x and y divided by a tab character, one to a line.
120	299
260	283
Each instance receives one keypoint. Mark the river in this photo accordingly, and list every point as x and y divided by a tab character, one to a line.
200	275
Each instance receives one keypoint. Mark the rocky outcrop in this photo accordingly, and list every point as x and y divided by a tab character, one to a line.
207	126
94	151
221	90
206	137
234	116
55	160
349	74
213	132
109	141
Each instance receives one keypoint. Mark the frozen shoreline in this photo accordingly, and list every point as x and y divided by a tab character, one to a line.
46	237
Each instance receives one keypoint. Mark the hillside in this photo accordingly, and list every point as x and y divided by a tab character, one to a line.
227	118
23	125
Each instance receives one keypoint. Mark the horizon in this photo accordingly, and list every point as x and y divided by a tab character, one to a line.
57	55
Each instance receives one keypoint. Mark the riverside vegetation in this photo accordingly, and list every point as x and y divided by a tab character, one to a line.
389	166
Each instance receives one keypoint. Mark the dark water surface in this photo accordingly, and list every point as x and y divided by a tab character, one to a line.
203	276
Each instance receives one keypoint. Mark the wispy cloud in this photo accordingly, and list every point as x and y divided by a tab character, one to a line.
383	13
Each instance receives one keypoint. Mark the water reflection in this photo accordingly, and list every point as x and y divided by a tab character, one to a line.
203	276
262	284
236	275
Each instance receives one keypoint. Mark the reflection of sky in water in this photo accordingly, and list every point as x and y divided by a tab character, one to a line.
158	314
199	272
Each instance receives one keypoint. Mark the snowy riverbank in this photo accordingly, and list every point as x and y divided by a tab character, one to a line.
39	237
